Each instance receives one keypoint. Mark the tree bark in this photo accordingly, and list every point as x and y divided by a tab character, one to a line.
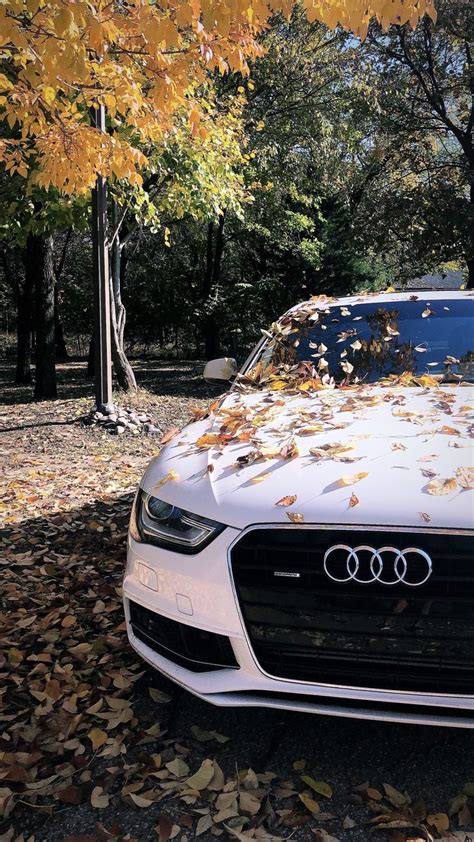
61	350
214	251
123	369
23	292
39	266
23	334
91	357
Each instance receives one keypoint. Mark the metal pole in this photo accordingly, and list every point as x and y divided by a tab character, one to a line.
102	350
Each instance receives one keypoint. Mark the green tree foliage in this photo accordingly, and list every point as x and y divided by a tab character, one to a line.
335	167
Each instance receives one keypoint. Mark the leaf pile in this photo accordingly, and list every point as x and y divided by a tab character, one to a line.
80	727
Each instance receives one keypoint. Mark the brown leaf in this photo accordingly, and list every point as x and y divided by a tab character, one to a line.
287	501
354	501
465	478
289	451
438	820
71	795
169	434
438	487
99	799
165	826
97	737
295	517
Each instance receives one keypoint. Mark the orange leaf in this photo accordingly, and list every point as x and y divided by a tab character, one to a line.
287	501
295	517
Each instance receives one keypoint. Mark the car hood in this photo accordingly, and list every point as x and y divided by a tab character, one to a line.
368	455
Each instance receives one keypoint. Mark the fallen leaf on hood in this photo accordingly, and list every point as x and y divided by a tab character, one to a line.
310	430
287	501
354	501
427	312
426	517
209	440
289	451
449	431
350	479
169	434
465	478
437	487
170	476
295	517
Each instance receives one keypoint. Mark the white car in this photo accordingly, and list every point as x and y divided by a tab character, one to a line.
308	543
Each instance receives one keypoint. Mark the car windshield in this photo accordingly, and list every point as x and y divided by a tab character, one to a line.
370	342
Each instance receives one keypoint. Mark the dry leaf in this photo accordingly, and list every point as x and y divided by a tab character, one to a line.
171	475
295	517
354	501
97	737
465	478
202	777
99	799
438	820
438	487
350	479
169	434
426	517
309	802
178	767
287	501
321	787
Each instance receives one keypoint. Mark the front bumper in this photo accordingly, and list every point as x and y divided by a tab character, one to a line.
198	591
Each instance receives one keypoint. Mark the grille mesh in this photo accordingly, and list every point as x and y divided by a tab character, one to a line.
308	628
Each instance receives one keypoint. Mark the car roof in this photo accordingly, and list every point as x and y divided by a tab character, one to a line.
428	295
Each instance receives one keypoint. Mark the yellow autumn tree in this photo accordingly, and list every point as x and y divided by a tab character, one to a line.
144	60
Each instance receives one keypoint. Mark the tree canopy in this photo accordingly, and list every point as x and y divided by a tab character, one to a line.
144	61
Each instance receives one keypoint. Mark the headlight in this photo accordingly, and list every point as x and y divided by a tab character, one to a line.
156	522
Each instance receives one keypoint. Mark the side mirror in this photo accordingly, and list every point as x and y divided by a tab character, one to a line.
220	371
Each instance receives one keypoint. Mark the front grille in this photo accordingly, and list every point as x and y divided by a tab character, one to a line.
308	628
195	649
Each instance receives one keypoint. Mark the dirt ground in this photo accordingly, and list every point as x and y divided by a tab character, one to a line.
93	745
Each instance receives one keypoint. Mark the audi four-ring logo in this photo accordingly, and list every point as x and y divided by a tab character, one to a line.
387	565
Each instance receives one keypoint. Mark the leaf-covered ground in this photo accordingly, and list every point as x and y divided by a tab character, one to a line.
93	746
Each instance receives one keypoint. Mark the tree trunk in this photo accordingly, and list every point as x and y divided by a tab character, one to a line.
122	367
23	334
470	255
61	350
470	276
210	327
91	357
40	267
22	287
